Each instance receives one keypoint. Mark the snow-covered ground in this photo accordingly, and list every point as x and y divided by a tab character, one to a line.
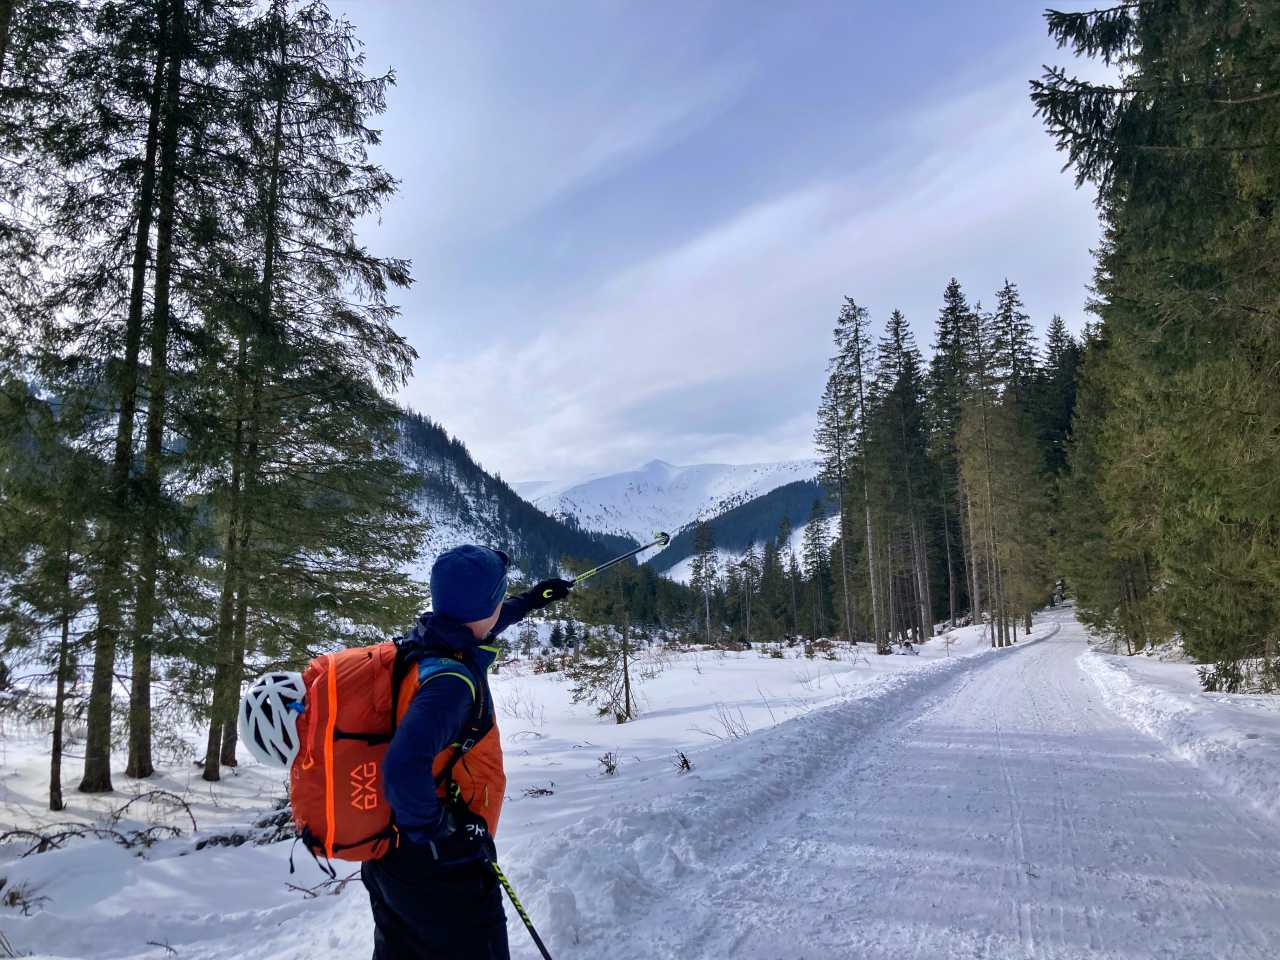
1233	737
982	804
661	496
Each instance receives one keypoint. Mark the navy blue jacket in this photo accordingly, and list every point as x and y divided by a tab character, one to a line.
435	716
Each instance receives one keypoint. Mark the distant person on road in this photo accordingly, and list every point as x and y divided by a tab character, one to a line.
435	895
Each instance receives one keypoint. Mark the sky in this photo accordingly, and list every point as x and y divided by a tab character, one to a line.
632	225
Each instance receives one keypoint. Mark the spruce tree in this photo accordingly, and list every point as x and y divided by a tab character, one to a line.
834	439
945	397
703	569
817	570
1013	349
310	439
1184	159
900	437
48	481
854	363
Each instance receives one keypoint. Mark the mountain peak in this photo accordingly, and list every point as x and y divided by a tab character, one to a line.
664	496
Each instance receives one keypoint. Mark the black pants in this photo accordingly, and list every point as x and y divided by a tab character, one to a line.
423	911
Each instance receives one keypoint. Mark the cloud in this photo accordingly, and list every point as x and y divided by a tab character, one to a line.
716	347
498	135
632	233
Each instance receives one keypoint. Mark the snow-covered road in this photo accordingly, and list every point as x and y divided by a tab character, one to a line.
1005	813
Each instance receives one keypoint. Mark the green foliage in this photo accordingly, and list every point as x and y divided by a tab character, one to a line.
1175	457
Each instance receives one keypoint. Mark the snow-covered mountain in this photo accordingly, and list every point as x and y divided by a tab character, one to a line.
661	496
463	503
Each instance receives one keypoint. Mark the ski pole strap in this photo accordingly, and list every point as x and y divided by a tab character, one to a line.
515	902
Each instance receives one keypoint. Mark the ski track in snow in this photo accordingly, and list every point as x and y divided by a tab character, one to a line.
987	806
1003	812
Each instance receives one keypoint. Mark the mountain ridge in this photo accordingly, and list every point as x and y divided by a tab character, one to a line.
464	503
660	495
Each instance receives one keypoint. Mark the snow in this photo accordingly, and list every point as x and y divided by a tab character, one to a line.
990	803
660	496
1233	737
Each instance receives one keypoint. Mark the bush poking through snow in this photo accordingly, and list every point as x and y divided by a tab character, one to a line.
609	762
733	724
681	762
20	897
540	791
333	886
272	828
519	703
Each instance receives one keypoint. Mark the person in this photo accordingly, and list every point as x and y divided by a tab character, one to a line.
435	895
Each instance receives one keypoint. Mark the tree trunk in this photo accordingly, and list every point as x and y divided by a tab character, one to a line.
795	606
920	571
59	714
706	601
223	633
60	689
951	573
140	764
231	640
626	667
844	560
235	676
97	751
975	591
222	645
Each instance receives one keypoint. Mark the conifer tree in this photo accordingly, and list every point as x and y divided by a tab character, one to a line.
1054	395
309	437
1183	155
791	569
834	440
946	391
1013	349
703	569
899	435
817	569
48	480
853	360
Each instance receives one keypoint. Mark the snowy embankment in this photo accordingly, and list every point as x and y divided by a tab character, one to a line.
1234	738
585	849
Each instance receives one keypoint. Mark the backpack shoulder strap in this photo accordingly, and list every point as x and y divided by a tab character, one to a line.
429	668
478	724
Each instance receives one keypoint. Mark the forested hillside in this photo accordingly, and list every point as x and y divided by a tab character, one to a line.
462	503
752	523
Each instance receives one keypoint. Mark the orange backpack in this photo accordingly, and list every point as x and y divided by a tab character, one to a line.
354	700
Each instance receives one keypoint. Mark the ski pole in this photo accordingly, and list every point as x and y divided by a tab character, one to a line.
660	540
515	902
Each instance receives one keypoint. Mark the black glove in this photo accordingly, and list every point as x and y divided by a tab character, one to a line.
465	837
547	592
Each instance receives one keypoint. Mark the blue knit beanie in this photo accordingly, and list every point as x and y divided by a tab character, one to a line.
468	582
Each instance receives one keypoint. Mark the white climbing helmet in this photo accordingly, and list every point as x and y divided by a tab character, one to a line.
269	717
